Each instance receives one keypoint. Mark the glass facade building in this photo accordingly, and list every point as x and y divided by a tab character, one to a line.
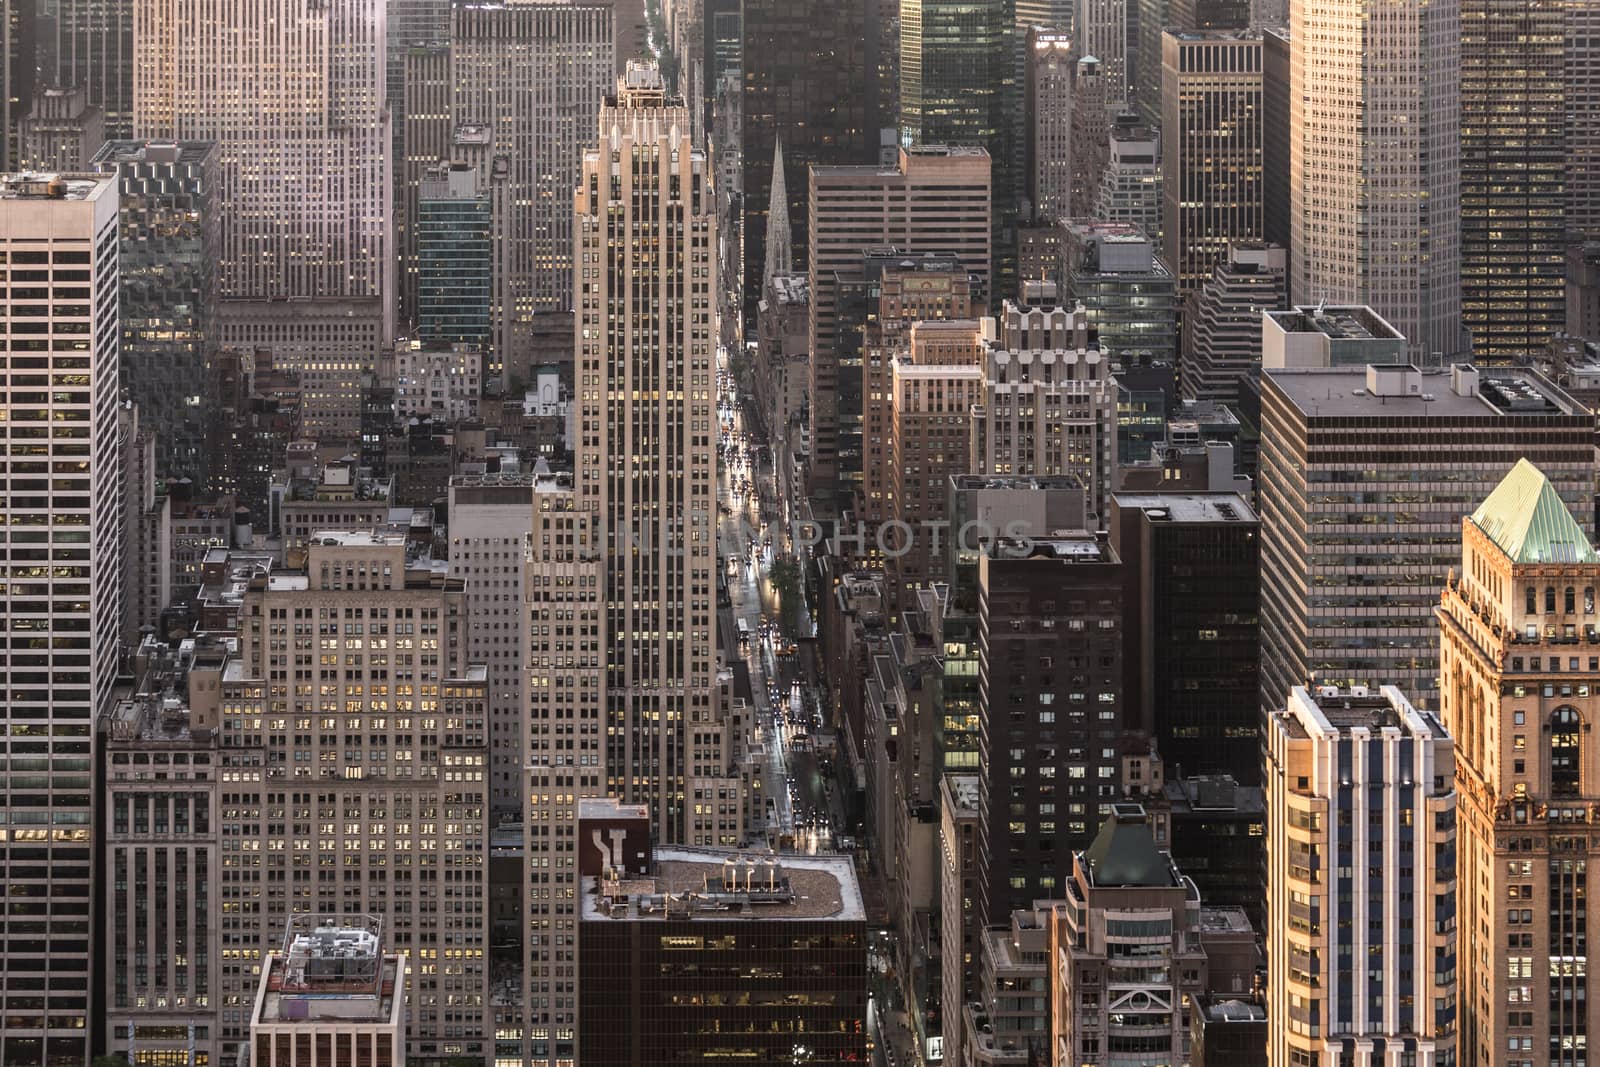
453	258
1513	164
167	258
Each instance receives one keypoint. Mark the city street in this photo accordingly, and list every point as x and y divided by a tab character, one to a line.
804	815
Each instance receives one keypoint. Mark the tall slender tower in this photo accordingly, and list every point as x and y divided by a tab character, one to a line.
1513	166
95	52
1375	166
1517	672
646	240
63	618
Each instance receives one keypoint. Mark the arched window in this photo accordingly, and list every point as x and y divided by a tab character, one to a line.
1566	751
1571	600
1550	599
1533	604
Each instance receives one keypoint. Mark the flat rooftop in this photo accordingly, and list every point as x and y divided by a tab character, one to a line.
687	884
1339	322
1189	507
53	186
1341	392
316	1008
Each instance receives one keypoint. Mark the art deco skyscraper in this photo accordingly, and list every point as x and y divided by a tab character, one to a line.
1101	31
95	51
1375	165
647	461
62	618
1517	673
293	93
1513	165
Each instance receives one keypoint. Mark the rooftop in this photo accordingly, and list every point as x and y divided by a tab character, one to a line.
964	790
1124	854
1188	507
1331	711
36	186
707	883
1230	1010
154	151
1339	322
1341	392
331	970
1530	522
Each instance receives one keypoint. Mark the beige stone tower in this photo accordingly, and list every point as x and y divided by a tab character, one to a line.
1520	684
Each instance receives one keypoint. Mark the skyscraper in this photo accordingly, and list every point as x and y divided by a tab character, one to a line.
1211	170
935	200
1130	185
454	247
1101	30
811	79
647	459
527	81
167	281
1581	99
95	51
1047	100
960	84
1517	665
1222	323
1374	170
1347	594
301	126
1361	881
64	619
1513	170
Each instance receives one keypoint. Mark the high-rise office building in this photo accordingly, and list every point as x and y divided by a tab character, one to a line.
811	80
1051	645
1581	103
333	987
1101	30
1130	185
1211	187
647	457
1049	403
1347	594
490	517
1047	104
528	80
454	258
59	681
300	121
95	50
935	200
366	761
1129	297
1222	322
1275	137
1125	947
961	84
933	385
908	290
707	954
1092	114
1361	882
62	132
19	71
1194	604
1513	172
563	645
167	281
1155	17
1517	633
1374	205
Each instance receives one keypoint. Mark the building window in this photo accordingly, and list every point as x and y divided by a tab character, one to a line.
1566	751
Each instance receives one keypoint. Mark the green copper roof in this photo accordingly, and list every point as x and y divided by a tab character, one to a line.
1530	522
1124	852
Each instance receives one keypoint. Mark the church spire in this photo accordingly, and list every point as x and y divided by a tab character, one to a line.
780	238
